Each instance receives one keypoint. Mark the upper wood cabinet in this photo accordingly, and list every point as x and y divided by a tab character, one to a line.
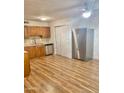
37	31
26	31
46	32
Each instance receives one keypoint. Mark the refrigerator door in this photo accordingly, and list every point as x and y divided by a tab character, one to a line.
79	43
81	33
82	43
75	51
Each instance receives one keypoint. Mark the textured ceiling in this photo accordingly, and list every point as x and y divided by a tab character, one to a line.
56	9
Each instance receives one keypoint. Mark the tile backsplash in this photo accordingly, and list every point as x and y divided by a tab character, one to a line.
39	40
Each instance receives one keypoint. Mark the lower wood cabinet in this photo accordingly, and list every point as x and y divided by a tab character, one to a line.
40	51
35	51
26	64
32	52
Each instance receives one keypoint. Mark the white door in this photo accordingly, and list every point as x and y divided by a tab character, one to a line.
58	41
63	45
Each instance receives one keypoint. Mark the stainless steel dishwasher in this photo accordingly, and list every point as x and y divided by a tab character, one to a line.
49	49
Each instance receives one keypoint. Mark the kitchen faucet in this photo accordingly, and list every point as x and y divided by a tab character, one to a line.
34	40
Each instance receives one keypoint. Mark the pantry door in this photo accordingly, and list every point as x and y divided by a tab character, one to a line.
58	41
63	41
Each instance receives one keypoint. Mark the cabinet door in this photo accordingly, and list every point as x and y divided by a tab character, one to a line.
43	51
40	51
46	32
25	28
31	30
26	64
37	31
28	31
32	52
25	31
40	31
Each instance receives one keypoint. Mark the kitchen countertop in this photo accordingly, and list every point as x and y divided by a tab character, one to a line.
34	45
41	44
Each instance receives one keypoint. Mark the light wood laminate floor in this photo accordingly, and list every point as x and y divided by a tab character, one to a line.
57	74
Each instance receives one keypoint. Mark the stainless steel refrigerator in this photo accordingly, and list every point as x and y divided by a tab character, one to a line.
82	43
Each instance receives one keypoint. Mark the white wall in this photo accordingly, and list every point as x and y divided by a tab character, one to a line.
79	22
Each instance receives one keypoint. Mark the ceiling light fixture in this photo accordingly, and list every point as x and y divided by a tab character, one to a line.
86	14
44	18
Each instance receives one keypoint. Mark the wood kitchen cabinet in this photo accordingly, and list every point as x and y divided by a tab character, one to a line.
40	51
26	64
35	51
44	32
33	30
32	51
37	29
29	31
26	31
